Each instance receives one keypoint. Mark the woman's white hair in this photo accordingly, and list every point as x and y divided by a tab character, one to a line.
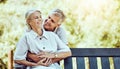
27	16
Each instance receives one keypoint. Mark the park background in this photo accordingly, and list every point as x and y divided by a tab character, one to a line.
89	23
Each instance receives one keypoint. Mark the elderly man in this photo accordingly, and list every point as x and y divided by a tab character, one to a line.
53	22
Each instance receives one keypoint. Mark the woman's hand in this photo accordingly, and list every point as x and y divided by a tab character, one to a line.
45	62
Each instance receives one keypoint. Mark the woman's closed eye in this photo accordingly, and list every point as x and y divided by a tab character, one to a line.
38	17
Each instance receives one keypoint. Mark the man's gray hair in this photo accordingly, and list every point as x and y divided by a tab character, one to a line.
59	13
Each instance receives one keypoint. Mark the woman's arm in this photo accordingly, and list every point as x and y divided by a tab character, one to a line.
21	52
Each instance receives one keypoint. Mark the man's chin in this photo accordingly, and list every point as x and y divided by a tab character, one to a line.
47	29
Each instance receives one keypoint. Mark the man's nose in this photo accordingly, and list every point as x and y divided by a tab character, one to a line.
48	20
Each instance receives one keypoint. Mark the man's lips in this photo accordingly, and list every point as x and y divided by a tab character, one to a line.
46	24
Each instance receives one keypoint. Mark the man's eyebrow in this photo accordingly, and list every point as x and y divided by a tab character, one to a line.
51	19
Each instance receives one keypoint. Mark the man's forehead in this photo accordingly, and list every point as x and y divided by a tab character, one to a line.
55	18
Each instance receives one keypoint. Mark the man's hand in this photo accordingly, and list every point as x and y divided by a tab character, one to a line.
33	57
39	57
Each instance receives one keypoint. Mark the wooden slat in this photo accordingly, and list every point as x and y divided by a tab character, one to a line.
105	63
68	63
10	59
93	62
80	62
116	62
18	66
93	52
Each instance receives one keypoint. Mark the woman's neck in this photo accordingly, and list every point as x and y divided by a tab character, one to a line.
38	31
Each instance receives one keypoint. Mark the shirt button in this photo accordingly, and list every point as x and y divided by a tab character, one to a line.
43	47
40	38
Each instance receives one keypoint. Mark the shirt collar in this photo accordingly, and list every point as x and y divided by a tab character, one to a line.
35	35
55	30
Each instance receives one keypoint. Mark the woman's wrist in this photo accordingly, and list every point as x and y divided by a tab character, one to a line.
55	55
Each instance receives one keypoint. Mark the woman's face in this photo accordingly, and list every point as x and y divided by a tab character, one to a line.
35	20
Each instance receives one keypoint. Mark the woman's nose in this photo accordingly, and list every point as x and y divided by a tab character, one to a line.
40	19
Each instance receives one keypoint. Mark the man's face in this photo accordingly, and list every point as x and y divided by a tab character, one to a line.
51	22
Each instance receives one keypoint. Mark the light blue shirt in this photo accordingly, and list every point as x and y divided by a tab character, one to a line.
48	42
61	34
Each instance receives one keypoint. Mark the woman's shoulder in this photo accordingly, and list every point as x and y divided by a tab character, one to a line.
25	34
51	34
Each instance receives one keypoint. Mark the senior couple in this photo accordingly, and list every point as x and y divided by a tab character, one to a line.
44	44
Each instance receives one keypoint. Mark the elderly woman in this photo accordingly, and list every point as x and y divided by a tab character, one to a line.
37	40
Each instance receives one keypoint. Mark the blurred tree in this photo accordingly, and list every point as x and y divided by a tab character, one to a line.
2	65
3	1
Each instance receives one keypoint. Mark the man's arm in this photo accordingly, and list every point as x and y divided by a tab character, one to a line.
57	56
35	58
54	60
62	34
42	61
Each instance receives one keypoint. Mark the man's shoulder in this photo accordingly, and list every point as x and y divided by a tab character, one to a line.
60	30
62	34
50	33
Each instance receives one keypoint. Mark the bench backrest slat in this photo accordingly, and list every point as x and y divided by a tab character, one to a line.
68	63
93	63
80	62
116	62
95	52
105	63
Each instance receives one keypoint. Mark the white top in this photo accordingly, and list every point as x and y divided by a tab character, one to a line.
48	42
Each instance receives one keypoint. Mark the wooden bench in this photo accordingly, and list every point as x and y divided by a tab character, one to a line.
79	54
